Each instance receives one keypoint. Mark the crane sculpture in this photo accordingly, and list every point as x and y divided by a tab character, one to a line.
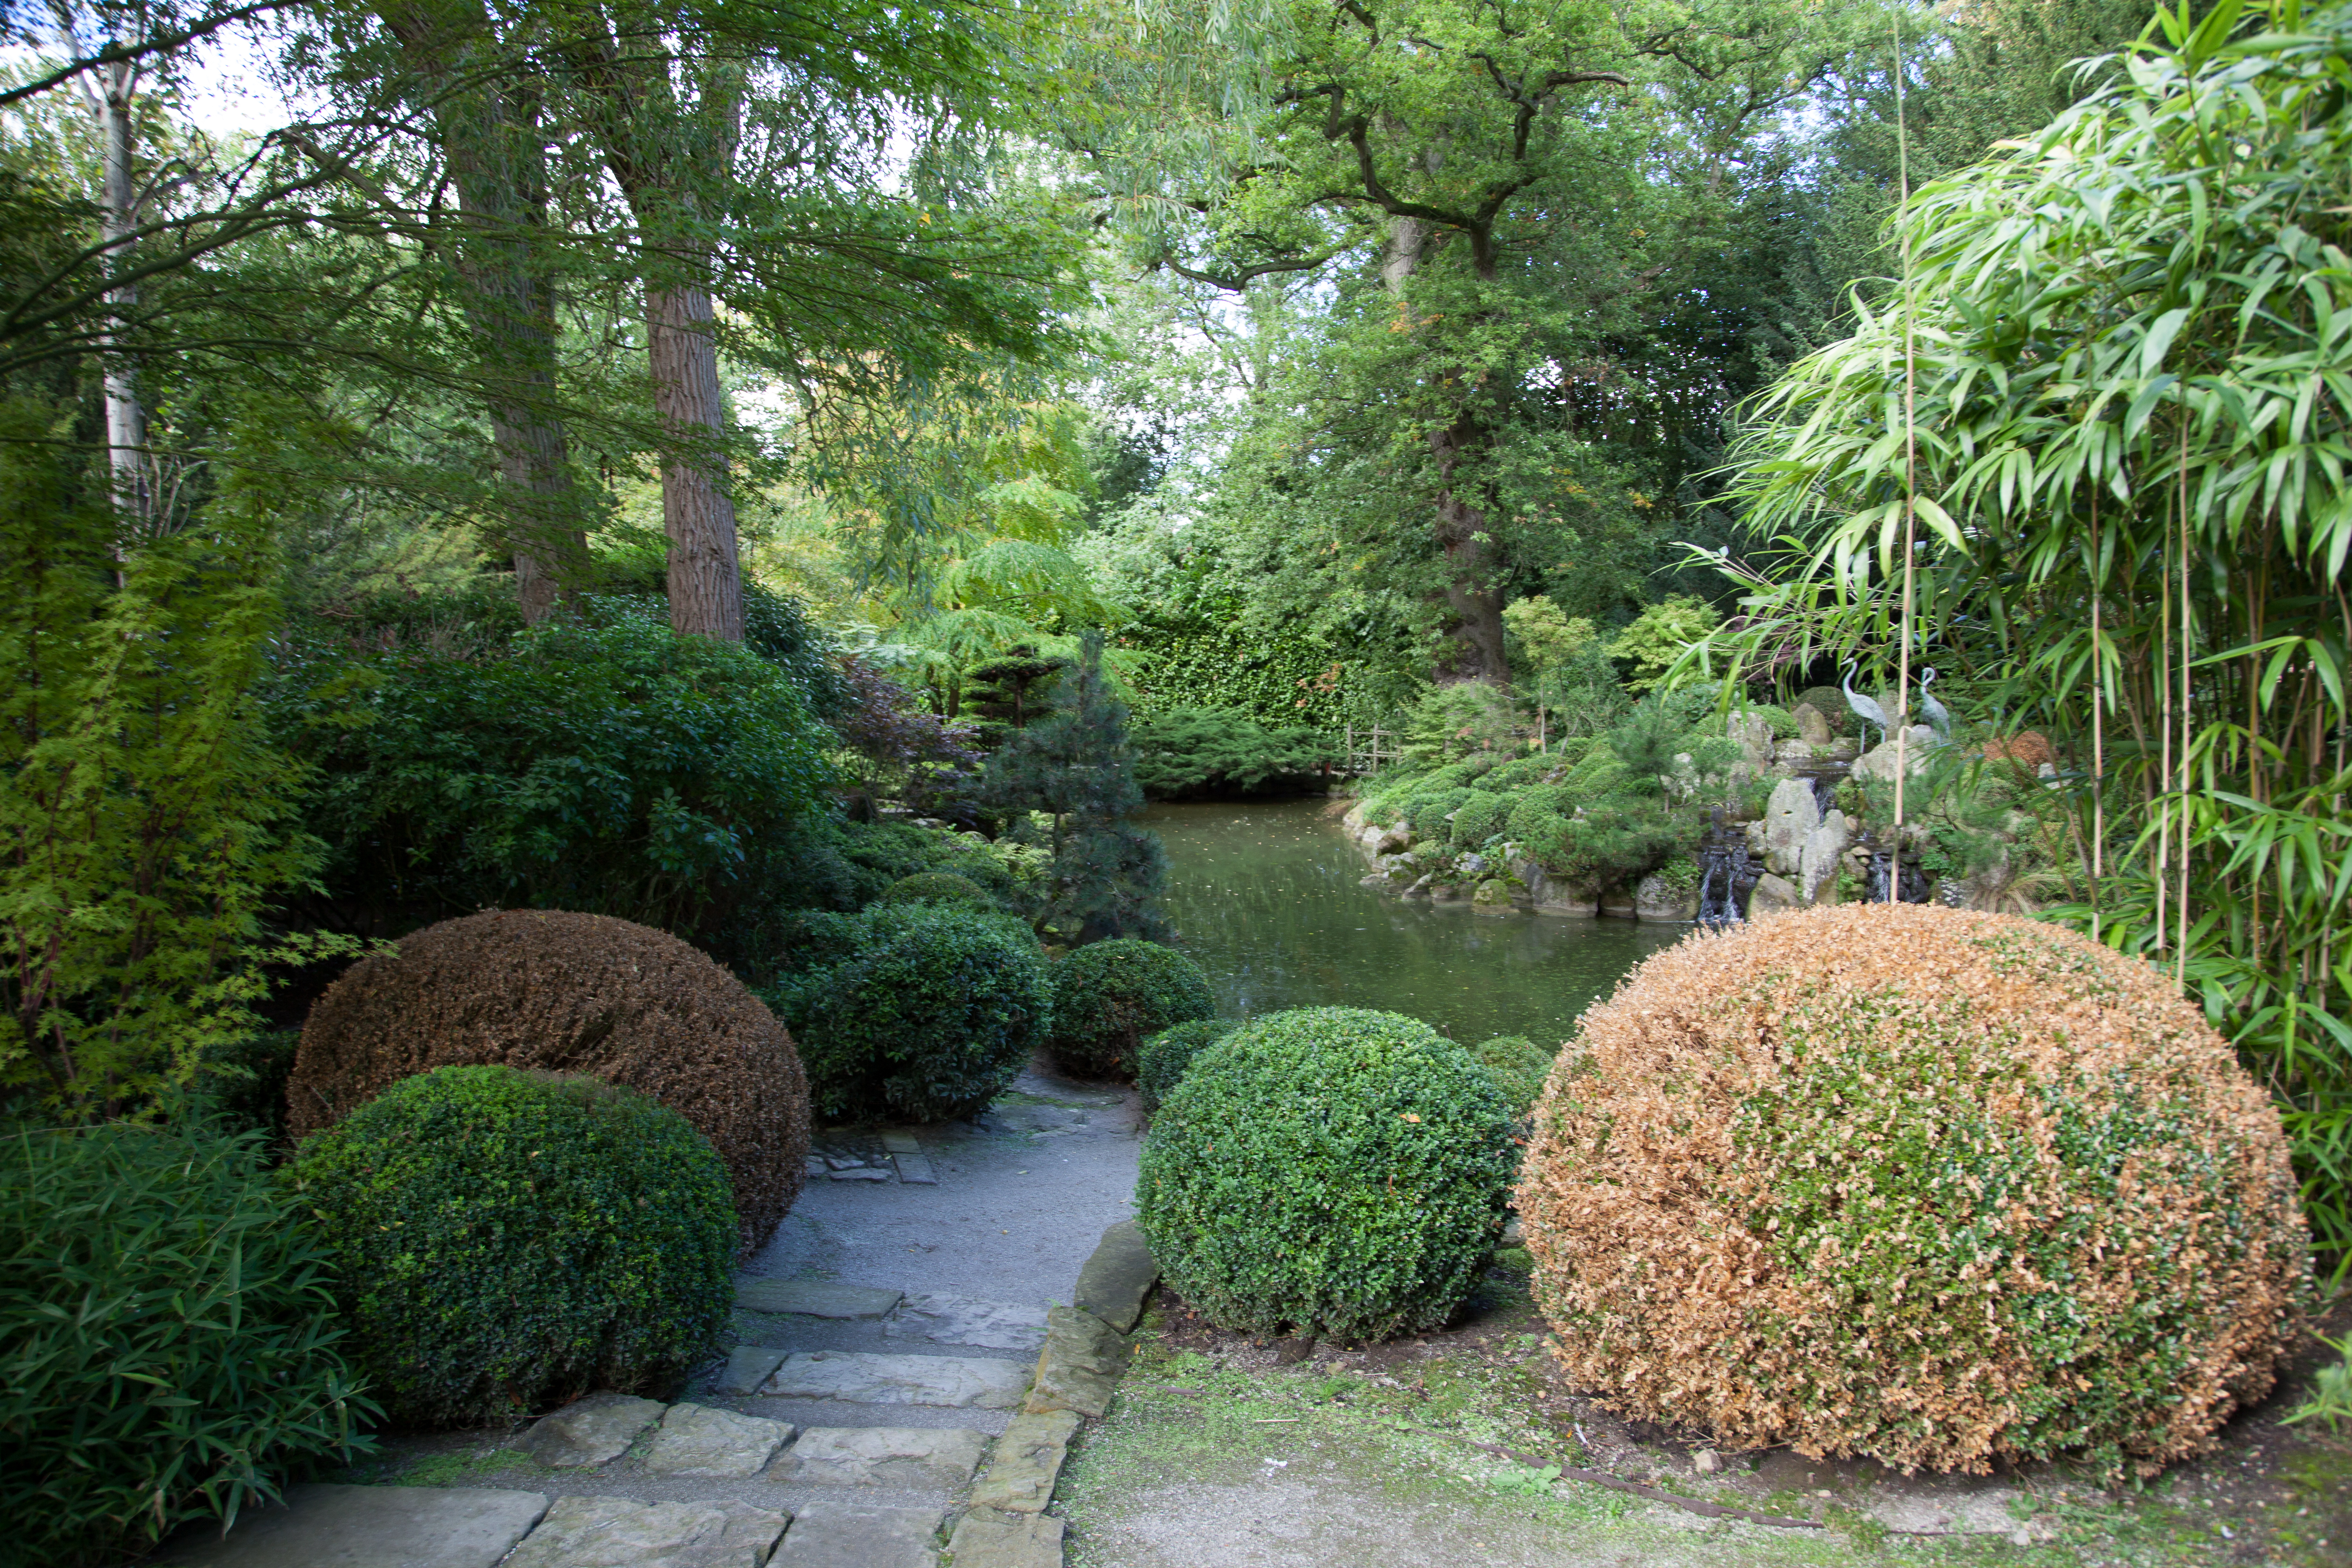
1939	716
1865	709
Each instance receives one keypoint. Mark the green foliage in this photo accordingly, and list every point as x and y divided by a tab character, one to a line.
1534	808
509	1240
1517	774
938	887
1830	702
2330	1402
242	1082
1217	661
168	1342
1111	996
1783	723
1519	1068
607	766
1427	811
916	1012
144	820
1328	1170
1479	819
1222	751
1660	633
1163	1061
1450	724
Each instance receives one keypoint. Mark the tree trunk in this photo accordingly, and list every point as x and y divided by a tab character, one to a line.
126	416
706	583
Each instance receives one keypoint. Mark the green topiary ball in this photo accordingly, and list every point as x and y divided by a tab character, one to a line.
507	1241
1161	1060
1329	1171
1111	996
1519	1067
1940	1188
927	1013
1479	819
938	887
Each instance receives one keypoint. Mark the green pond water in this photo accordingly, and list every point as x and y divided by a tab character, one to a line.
1264	897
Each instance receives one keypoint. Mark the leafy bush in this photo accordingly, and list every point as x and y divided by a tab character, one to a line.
938	887
571	993
1111	996
1161	1060
1941	1188
1536	807
509	1240
1783	723
915	1012
1428	809
610	767
1451	723
1331	1170
1659	633
168	1344
1519	1067
1831	704
1479	819
895	748
1222	751
1517	774
241	1083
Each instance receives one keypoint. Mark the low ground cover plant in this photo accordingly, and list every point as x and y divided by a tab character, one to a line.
169	1349
508	1240
561	992
915	1012
1162	1061
1942	1188
1111	996
1328	1171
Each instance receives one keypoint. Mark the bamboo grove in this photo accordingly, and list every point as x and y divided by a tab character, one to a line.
2129	357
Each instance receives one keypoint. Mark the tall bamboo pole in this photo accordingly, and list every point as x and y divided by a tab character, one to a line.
1910	479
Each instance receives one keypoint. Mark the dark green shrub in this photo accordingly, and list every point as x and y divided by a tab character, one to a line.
1331	1170
1783	723
1427	810
168	1342
1111	996
938	887
1518	773
241	1083
1519	1068
508	1240
1222	751
914	1012
1535	806
1479	819
1160	1061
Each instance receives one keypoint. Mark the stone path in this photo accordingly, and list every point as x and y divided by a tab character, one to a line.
907	1376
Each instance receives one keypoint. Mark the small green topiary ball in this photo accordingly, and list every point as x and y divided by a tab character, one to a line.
1161	1060
1329	1171
1479	819
1111	996
508	1240
1519	1067
937	888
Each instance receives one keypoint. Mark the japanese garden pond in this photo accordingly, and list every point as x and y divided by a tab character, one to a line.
1265	897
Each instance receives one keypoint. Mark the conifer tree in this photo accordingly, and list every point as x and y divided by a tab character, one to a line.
1076	765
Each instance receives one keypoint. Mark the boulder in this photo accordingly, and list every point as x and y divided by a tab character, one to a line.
1493	897
1753	734
1790	819
1655	899
1818	859
1919	746
1772	895
1812	726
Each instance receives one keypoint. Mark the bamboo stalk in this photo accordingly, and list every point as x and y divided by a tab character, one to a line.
1910	482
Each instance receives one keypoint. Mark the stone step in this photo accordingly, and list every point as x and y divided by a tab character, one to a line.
864	1378
922	1458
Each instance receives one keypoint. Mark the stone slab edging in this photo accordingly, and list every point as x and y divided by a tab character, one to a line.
1087	1348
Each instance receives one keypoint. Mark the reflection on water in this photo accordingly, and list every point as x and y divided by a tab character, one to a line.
1265	899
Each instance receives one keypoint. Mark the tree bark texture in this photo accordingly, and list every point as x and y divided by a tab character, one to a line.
128	465
489	134
706	582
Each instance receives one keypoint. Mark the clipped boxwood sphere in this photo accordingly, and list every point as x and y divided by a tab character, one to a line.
932	1014
570	992
938	887
1111	996
1329	1171
1937	1187
1160	1061
508	1240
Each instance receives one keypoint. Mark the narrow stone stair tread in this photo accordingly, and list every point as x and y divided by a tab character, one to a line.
748	1366
865	1378
927	1458
614	1532
591	1431
829	1534
321	1525
966	1321
985	1538
706	1441
816	1297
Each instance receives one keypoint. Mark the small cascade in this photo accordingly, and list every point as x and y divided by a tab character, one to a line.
1726	875
1915	887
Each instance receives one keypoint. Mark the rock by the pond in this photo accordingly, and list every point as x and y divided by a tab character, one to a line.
932	1459
985	1538
1118	1278
815	1298
1919	750
748	1366
703	1440
1658	899
1818	861
1753	734
1494	895
965	1321
614	1532
955	1382
1080	1363
1021	1472
1790	819
324	1526
1812	724
590	1431
1473	865
842	1534
1772	895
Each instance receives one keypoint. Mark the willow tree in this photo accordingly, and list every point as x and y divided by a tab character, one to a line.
2130	391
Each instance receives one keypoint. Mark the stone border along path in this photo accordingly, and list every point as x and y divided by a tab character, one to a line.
881	1425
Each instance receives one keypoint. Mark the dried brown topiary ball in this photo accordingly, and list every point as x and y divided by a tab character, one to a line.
571	993
1937	1187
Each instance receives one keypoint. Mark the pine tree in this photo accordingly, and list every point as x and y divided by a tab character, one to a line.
1075	765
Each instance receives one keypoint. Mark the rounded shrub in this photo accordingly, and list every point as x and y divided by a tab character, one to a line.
1111	996
926	1012
570	992
1160	1061
1941	1188
1328	1170
1536	808
1517	774
1519	1068
1427	808
508	1240
169	1350
1479	819
938	887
